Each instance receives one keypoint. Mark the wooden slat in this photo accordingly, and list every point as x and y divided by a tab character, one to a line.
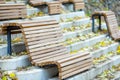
37	2
46	47
40	24
43	34
46	51
12	17
44	38
64	1
75	60
12	11
77	71
44	44
47	55
80	1
12	7
42	31
39	28
76	64
44	41
78	55
76	68
62	57
53	3
27	22
51	58
13	14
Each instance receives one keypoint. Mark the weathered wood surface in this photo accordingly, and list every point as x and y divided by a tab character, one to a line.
111	22
12	11
37	2
54	7
44	44
79	6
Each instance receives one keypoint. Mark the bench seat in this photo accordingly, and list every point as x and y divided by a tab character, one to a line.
45	45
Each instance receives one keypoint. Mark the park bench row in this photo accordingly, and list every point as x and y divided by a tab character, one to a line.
14	11
54	7
78	4
44	43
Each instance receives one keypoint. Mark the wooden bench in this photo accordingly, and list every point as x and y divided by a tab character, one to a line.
111	22
44	43
12	11
2	1
78	4
36	2
54	7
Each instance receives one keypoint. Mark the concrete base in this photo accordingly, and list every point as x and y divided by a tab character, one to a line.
37	74
14	63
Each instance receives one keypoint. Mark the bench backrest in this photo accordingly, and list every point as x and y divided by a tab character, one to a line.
12	11
44	43
43	39
112	25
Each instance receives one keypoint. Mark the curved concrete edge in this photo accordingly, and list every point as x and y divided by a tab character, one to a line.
88	42
14	63
104	50
16	47
83	31
74	34
75	23
37	74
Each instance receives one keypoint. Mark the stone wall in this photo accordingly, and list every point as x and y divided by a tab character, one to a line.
96	5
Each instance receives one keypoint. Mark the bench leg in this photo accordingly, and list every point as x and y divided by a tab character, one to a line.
107	26
100	22
9	49
93	24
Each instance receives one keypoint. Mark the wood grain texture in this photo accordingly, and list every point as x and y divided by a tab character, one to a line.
111	22
44	43
12	11
54	7
79	5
